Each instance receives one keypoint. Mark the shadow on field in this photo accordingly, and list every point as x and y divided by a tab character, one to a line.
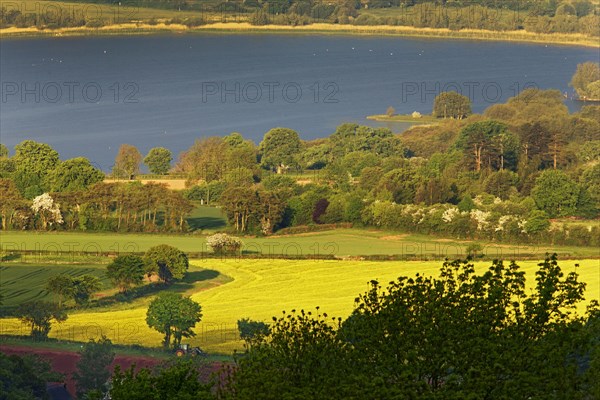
180	286
198	276
206	223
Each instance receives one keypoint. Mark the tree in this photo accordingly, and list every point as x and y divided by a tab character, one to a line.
25	378
300	357
252	330
62	286
158	160
127	162
79	288
586	79
178	380
12	201
390	111
83	287
39	316
48	211
3	151
126	271
453	336
401	183
477	140
73	175
240	203
556	193
174	316
537	223
36	158
93	371
280	149
204	160
166	261
501	183
272	204
451	105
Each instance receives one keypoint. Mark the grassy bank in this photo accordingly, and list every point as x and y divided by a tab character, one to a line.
423	120
317	28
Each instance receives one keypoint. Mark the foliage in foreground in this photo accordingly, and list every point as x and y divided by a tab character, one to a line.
459	335
180	380
24	378
93	368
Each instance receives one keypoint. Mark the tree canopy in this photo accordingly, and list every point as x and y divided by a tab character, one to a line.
126	271
73	175
158	160
451	105
280	149
166	261
174	316
465	333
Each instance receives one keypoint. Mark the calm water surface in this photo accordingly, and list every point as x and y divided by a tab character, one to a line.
86	96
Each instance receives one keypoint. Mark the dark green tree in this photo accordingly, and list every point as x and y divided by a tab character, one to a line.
280	149
167	262
451	105
480	144
74	175
93	371
25	378
36	158
126	271
252	330
62	286
556	193
179	381
158	160
174	316
38	315
83	287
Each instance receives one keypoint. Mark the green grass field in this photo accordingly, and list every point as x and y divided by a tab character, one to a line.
340	242
20	283
259	289
208	219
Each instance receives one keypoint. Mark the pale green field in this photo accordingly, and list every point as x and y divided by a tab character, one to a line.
340	242
260	289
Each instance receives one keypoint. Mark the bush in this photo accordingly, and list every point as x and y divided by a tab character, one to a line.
222	243
250	330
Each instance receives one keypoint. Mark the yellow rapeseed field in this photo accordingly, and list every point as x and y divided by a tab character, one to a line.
261	289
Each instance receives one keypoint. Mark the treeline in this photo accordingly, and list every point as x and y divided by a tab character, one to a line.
498	176
578	16
503	175
540	17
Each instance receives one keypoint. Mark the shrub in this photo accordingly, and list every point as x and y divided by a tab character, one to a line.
250	330
222	243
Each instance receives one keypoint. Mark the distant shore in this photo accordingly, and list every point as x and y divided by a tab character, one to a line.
404	118
319	28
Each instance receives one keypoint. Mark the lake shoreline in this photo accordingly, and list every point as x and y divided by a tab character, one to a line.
134	29
405	118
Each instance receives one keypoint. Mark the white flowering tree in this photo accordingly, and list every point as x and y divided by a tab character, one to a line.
223	243
47	210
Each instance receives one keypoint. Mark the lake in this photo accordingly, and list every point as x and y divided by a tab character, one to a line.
86	96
